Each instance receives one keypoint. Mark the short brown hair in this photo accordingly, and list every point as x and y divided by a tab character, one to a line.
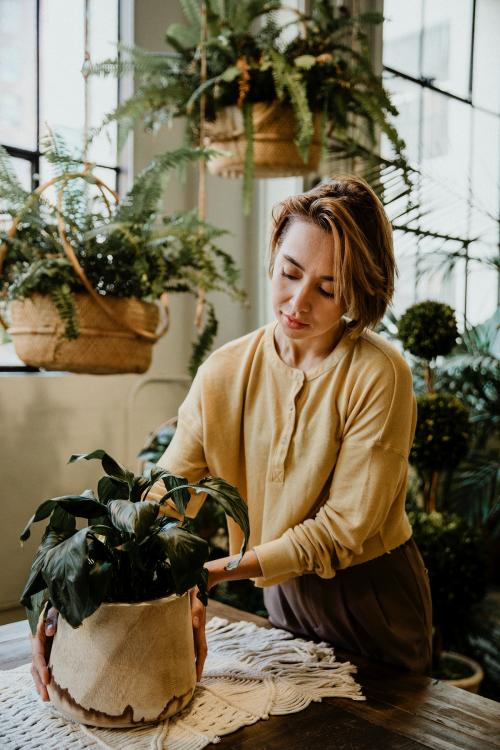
364	266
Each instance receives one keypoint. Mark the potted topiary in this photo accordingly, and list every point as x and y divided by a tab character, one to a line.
452	552
123	652
83	278
272	103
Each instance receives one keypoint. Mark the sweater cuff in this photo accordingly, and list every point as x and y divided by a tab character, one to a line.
277	558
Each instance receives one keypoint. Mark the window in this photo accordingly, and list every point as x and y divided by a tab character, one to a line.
43	45
441	63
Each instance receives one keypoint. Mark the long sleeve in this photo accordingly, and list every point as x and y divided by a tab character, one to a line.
369	478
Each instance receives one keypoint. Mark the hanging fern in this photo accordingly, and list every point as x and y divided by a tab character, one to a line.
205	340
62	298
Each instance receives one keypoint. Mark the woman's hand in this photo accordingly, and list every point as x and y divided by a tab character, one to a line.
199	618
41	644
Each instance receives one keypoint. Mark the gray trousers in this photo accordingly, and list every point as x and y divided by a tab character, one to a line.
380	609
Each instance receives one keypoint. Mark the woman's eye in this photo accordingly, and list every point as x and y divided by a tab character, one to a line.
288	276
324	293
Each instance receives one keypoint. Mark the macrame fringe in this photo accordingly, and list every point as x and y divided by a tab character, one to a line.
251	673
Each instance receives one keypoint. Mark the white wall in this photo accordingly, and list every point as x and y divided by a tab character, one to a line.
47	417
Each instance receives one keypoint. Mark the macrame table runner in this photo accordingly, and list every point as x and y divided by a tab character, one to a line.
251	673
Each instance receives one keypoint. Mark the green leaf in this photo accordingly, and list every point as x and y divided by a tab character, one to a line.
78	576
35	582
179	496
83	507
110	466
133	518
186	554
37	604
67	502
233	505
305	61
182	37
109	488
230	74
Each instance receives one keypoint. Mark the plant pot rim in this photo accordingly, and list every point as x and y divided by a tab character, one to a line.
465	682
147	602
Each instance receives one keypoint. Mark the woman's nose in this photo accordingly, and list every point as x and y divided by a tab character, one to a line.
301	300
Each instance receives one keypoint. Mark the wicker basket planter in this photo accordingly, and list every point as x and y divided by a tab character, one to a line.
105	345
126	664
115	335
274	151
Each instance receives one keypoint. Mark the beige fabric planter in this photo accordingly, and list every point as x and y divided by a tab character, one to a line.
126	664
103	346
274	151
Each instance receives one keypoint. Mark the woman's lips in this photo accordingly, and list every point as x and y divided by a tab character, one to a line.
293	323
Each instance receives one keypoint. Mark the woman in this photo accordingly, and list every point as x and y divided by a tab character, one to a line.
312	417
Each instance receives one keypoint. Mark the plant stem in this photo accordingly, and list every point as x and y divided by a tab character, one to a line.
429	378
432	498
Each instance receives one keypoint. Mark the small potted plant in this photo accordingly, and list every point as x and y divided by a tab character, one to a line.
451	550
272	103
83	278
123	652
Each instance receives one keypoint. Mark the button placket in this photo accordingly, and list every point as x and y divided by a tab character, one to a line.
278	472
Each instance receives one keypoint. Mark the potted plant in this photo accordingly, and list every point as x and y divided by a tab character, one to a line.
83	277
272	103
452	552
123	652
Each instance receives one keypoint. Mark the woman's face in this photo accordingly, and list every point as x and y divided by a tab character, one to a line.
302	284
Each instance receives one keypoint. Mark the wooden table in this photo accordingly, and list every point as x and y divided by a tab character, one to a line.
402	712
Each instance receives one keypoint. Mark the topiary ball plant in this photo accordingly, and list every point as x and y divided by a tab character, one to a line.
428	329
442	433
453	554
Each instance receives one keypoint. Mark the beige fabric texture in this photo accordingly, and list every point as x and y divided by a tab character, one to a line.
321	457
251	673
92	665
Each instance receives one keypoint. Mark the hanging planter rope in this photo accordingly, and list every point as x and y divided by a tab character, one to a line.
116	335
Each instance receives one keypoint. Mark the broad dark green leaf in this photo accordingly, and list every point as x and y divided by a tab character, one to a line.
45	509
35	582
37	604
78	576
186	554
83	507
179	496
110	466
109	488
233	505
133	518
62	521
139	485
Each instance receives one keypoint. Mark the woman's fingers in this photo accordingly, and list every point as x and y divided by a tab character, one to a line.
199	616
41	643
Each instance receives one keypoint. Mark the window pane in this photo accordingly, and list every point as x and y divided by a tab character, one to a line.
485	87
402	25
22	169
62	98
18	73
447	44
406	96
103	92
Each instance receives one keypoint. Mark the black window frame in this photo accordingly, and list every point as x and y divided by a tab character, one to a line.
33	156
427	83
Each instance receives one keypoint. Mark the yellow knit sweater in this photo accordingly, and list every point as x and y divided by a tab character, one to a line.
321	457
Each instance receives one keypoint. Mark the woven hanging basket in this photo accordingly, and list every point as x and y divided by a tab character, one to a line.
274	151
116	335
103	346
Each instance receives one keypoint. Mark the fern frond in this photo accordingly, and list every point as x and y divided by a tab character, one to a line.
63	300
205	340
